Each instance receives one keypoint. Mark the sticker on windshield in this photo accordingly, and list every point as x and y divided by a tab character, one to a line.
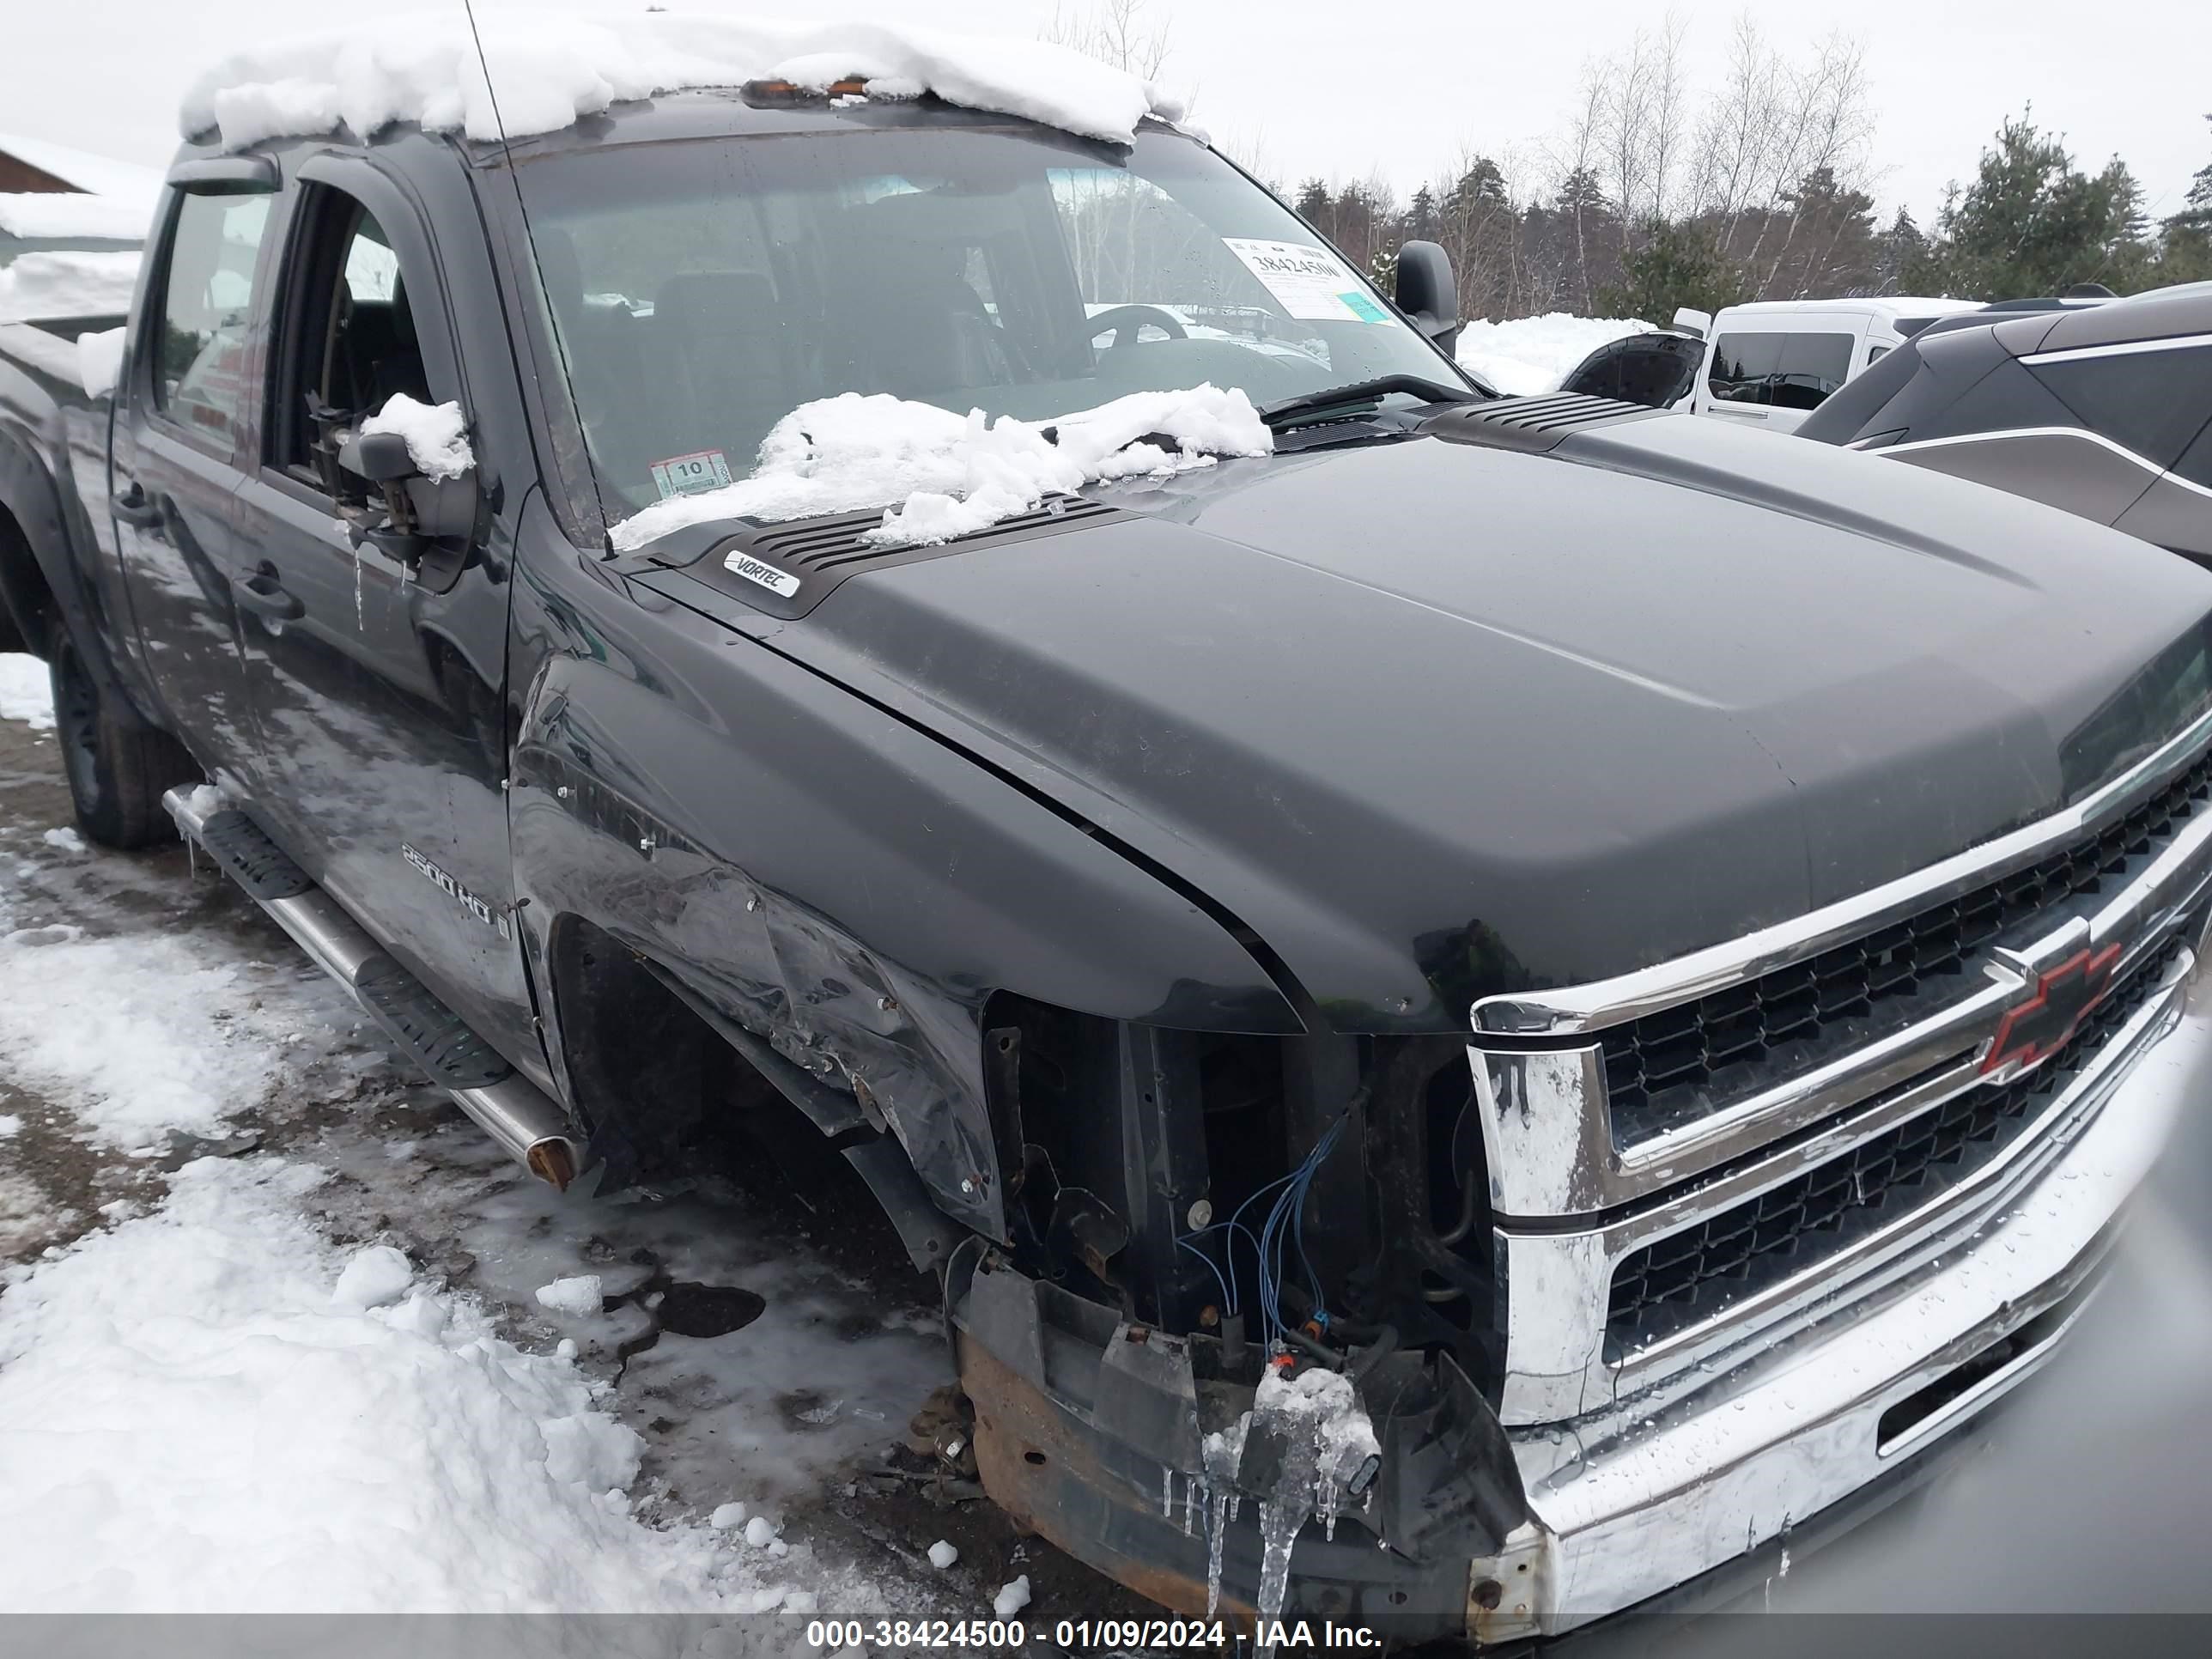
687	475
1311	282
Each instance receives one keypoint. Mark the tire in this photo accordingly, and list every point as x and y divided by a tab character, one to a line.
117	765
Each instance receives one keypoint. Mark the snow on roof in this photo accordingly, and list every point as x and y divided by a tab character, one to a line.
65	215
99	175
549	71
1888	305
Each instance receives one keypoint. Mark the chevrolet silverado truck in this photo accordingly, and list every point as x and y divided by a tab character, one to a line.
1477	1014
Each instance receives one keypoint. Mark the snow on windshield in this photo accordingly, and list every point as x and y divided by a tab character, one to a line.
940	475
1530	355
549	71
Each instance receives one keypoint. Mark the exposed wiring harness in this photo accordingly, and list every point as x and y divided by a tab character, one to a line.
1281	1235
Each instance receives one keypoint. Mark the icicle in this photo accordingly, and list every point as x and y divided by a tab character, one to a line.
1167	1492
1279	1528
359	626
1218	1524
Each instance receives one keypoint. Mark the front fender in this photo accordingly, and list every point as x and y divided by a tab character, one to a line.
832	877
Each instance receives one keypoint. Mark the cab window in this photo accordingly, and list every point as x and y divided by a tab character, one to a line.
207	306
348	342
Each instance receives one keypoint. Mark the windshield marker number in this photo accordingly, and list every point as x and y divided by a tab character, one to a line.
687	475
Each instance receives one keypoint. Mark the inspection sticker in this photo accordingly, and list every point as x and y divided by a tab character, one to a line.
1312	283
687	475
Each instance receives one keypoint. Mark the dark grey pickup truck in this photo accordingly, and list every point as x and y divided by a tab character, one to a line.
1477	1014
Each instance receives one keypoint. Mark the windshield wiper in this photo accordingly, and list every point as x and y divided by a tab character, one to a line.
1293	411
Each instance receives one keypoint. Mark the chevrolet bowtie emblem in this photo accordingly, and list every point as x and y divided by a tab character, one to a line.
2035	1029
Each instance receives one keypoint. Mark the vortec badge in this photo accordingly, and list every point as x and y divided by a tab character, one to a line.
753	570
2035	1029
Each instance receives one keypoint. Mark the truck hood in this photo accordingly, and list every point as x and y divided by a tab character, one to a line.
1436	720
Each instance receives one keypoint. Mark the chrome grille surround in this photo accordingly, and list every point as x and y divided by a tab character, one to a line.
1571	1204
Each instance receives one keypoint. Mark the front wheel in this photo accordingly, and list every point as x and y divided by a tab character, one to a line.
117	765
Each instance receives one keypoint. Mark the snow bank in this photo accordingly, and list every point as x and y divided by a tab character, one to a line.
61	213
436	434
142	1034
100	360
1530	355
940	475
67	285
27	692
424	68
190	1420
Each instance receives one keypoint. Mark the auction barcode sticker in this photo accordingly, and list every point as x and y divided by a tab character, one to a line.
1311	282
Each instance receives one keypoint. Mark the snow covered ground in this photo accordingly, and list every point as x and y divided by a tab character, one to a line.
1529	355
271	1335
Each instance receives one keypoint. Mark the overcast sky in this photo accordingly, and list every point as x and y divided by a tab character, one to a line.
1342	90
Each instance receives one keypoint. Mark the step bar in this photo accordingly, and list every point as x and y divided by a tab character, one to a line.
530	1126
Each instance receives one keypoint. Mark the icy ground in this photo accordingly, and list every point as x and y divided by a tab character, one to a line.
1529	355
271	1336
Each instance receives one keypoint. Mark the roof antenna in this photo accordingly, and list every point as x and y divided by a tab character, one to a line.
537	264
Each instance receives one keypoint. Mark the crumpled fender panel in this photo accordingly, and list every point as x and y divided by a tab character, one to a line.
836	881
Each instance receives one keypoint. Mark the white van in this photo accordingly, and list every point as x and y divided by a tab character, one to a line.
1772	363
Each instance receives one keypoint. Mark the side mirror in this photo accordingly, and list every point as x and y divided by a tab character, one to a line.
1693	322
380	457
1428	292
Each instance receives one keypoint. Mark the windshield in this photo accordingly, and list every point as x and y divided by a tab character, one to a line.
701	290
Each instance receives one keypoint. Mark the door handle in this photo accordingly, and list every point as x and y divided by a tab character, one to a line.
261	591
133	509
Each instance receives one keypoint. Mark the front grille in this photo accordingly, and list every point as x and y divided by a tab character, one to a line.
1687	1062
1684	1278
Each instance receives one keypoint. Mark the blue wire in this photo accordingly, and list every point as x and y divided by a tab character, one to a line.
1282	1227
1228	1301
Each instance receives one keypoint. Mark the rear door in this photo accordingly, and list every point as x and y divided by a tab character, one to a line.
183	427
1775	376
1812	366
378	680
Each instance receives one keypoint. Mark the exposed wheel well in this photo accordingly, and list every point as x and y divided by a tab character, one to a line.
663	1095
26	602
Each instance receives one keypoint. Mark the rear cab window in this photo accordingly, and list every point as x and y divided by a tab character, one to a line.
208	291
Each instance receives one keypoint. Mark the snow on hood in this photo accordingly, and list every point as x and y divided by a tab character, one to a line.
1529	355
549	71
940	475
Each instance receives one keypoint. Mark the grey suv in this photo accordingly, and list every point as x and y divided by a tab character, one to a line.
2106	412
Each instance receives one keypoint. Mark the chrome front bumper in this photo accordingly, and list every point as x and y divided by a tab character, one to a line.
1632	1501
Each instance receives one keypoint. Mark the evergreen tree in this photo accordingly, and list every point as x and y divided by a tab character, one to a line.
1677	264
2032	223
2184	253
